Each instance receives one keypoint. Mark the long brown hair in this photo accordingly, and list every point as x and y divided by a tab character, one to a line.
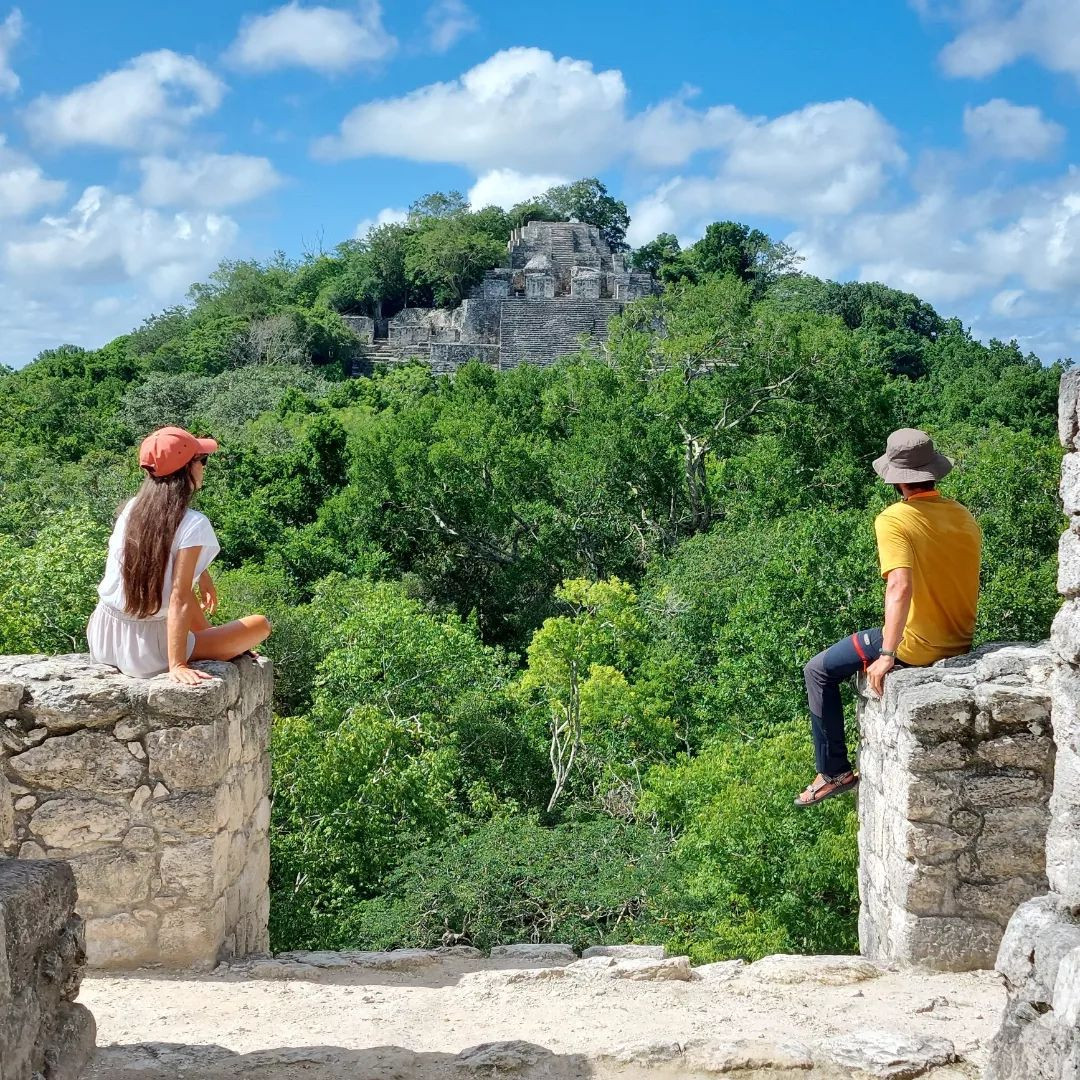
159	508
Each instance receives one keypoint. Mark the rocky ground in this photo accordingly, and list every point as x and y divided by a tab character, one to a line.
541	1012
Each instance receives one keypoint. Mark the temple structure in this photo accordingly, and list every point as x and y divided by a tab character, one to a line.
561	285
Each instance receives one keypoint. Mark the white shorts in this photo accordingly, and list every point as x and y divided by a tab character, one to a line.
138	647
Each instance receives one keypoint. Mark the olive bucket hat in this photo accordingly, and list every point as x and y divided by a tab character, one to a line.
910	458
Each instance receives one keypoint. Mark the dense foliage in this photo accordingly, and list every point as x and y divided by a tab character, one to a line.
539	634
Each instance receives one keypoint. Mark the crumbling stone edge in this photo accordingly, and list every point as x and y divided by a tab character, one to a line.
44	1032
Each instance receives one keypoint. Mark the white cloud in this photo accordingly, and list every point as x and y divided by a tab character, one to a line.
447	21
389	215
506	187
1001	129
108	238
10	32
326	39
520	109
950	247
206	180
670	133
146	103
824	159
23	186
995	35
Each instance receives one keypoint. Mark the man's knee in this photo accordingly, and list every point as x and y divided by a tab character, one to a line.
814	670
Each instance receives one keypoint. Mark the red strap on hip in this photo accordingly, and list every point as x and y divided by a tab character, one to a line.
859	649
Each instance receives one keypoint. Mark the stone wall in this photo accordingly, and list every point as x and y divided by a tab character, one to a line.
43	1032
956	763
1040	956
540	331
157	795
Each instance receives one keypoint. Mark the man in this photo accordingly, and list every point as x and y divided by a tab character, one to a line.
929	549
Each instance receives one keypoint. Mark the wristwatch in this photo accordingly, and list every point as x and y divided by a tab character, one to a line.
888	652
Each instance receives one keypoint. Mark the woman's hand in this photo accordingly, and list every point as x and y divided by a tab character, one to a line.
207	594
188	676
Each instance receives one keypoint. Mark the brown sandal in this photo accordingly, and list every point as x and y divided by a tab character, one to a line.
822	788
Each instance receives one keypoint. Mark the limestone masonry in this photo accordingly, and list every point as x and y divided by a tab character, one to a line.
1040	956
43	1033
957	765
157	795
561	286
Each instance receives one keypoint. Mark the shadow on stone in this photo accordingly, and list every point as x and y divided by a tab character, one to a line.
171	1061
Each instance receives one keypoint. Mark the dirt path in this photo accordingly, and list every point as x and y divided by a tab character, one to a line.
596	1019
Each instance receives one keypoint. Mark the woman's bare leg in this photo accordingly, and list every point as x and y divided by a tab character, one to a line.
231	639
198	620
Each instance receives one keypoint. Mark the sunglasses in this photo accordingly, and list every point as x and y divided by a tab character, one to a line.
201	459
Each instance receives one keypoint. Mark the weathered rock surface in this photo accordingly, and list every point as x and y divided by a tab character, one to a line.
541	954
886	1054
825	970
43	1032
626	952
156	793
957	764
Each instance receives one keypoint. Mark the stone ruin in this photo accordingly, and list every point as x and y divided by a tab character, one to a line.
156	798
560	288
156	794
956	764
43	1032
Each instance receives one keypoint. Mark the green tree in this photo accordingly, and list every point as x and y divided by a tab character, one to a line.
588	200
576	664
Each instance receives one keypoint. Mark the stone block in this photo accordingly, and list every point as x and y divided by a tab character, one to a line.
122	941
1070	484
7	816
1065	631
195	869
113	879
1069	409
1013	843
1065	691
96	762
191	813
189	758
1031	664
1063	835
66	693
1066	999
42	1033
11	695
944	942
889	1055
1020	751
79	823
1068	580
933	844
193	937
935	708
1013	708
1004	790
169	702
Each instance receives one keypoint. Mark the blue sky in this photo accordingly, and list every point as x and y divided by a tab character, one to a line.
925	143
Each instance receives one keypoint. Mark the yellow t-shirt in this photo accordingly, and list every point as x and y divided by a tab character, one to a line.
941	542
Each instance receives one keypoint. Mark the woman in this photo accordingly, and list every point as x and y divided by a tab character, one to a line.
148	620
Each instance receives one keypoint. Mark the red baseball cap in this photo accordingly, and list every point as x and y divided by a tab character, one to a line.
169	449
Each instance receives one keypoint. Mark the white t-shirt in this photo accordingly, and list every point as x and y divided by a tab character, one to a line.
195	530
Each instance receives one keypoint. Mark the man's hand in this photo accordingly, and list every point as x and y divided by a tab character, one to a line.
876	672
188	676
